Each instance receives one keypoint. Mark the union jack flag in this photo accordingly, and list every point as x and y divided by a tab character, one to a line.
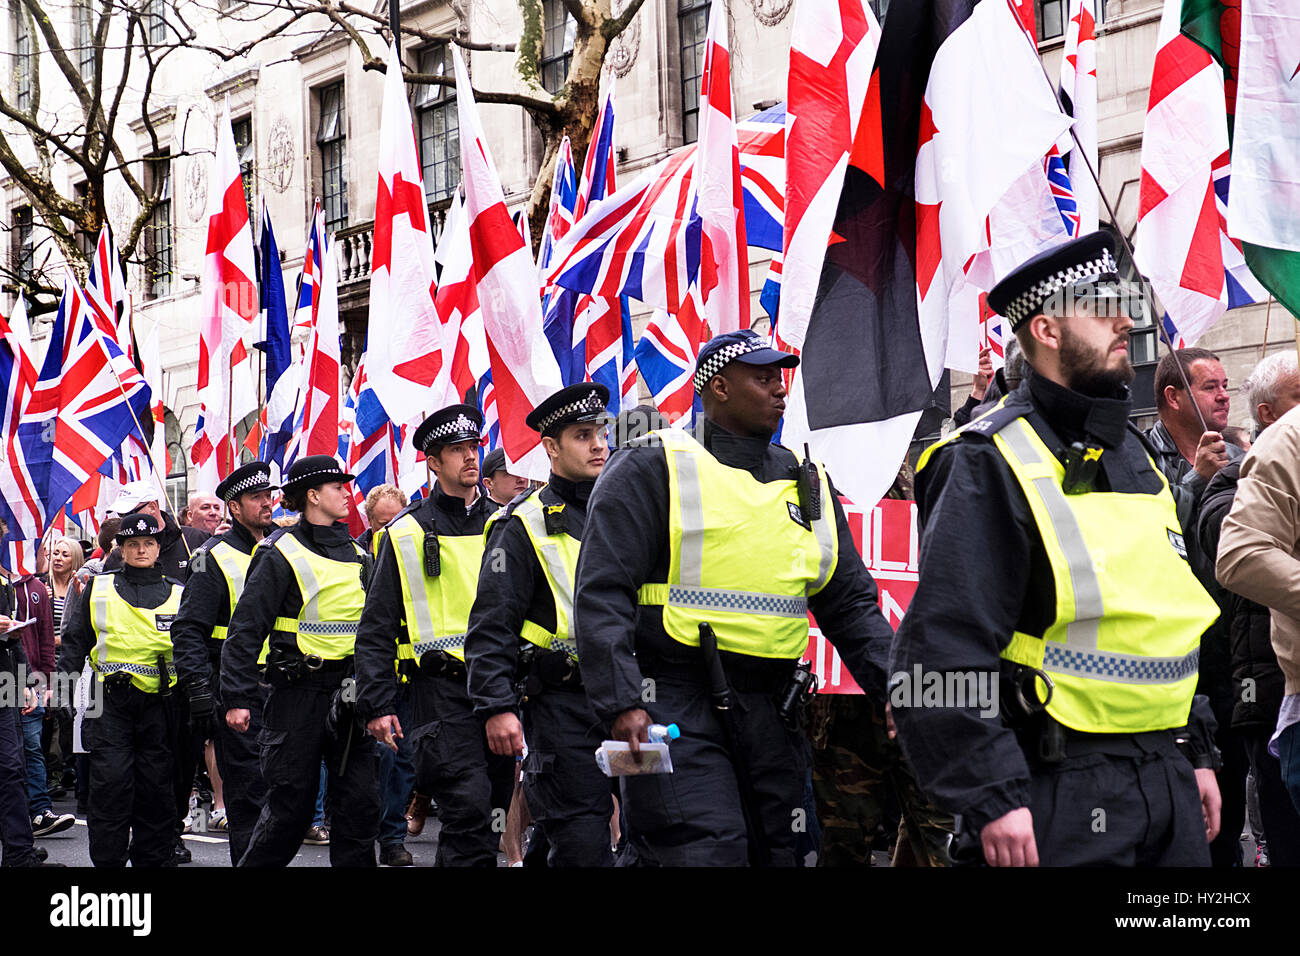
368	440
308	298
21	504
1058	179
487	404
666	357
562	213
106	290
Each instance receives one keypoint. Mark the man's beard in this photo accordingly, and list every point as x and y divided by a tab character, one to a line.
1086	371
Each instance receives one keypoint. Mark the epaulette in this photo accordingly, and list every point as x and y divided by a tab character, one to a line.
982	428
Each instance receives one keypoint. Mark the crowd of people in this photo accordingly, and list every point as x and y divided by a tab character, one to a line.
273	678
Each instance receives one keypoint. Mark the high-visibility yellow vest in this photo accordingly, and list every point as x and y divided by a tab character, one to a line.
1124	647
129	638
332	598
233	565
558	556
436	609
743	556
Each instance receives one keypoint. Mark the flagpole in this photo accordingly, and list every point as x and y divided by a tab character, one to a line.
1147	293
1263	346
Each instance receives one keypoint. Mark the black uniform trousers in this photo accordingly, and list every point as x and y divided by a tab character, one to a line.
566	792
293	741
15	818
471	785
1136	807
238	762
132	806
693	816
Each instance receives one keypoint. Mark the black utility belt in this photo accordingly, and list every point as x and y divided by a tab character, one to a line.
552	669
1047	741
441	664
745	676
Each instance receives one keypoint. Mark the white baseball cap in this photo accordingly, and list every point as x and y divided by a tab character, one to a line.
134	494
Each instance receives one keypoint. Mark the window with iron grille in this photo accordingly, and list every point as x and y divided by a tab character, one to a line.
86	241
158	235
24	251
693	28
244	150
157	15
85	40
1053	15
331	137
439	125
557	45
22	57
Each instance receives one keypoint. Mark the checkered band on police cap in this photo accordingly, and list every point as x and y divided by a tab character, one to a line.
257	480
1029	301
714	364
460	425
589	404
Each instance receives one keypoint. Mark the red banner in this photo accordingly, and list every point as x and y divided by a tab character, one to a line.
887	538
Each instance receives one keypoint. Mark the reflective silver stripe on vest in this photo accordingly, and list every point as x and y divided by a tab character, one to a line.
99	617
413	564
825	533
1081	633
1120	668
691	500
746	602
144	670
549	552
328	628
234	571
441	644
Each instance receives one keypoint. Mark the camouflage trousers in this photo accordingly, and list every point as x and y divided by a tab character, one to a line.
861	782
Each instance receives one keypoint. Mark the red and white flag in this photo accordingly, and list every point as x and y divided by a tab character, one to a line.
724	255
322	408
230	306
1079	97
458	308
404	346
524	370
832	59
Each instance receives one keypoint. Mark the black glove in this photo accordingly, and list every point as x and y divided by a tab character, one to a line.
201	708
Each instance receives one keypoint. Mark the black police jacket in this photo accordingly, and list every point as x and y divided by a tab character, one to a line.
512	589
384	618
627	545
139	587
271	591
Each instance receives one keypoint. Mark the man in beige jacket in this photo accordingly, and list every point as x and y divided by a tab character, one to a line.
1259	558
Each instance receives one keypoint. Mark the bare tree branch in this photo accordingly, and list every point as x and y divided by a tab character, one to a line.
614	27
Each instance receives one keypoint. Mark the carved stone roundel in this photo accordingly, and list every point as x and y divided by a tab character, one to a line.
281	154
196	187
622	52
770	12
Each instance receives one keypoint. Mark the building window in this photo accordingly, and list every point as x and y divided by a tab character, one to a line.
158	234
557	45
1053	15
22	58
693	28
243	130
24	250
86	241
331	137
156	13
85	40
439	126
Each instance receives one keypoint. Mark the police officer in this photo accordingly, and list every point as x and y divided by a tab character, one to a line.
733	532
525	602
123	621
417	611
1085	612
217	574
305	589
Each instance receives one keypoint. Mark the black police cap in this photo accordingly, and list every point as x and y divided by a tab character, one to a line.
583	402
449	425
314	471
745	346
1085	261
139	525
255	476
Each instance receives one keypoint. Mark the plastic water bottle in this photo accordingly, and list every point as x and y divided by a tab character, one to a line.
660	734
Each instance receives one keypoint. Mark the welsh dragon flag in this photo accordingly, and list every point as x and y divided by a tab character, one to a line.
1264	126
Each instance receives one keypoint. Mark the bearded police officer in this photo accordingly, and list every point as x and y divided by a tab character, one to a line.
700	563
416	615
305	589
525	602
217	574
123	621
1086	608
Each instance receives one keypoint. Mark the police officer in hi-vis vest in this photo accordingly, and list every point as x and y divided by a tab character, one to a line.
412	632
520	648
305	589
1082	605
123	621
217	573
701	561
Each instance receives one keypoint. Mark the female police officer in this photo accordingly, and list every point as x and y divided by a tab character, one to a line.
123	621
